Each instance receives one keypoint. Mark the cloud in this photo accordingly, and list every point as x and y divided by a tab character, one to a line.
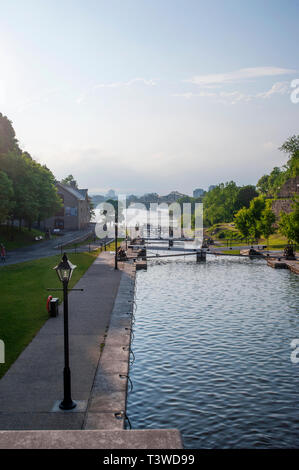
127	84
238	75
133	81
189	95
233	97
281	88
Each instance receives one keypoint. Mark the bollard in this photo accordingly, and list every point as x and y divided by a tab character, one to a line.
200	256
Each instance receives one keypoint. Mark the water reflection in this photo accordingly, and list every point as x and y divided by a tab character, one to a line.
212	348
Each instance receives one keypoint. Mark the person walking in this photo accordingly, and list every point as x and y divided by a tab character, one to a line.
3	252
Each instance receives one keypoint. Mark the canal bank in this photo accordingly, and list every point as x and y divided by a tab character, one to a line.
33	385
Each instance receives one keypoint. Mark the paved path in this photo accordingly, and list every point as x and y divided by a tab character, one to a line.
34	382
41	249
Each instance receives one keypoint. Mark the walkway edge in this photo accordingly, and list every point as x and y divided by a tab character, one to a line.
135	439
106	409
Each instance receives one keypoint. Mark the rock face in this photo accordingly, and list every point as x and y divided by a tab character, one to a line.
282	205
284	201
290	188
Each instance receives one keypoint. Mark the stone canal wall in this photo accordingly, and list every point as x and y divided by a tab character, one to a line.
107	404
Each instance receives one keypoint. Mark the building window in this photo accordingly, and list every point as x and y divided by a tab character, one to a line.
71	211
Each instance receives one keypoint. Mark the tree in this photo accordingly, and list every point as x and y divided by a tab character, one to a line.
245	195
6	196
8	141
257	220
70	180
243	221
48	200
27	189
291	146
266	222
220	203
225	200
35	195
289	223
263	185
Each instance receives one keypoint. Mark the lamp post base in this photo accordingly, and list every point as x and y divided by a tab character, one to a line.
70	405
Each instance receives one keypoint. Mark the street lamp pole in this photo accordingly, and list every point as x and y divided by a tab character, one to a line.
67	403
64	271
116	235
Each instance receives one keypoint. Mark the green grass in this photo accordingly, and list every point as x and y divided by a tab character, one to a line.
90	240
111	246
231	252
23	300
276	241
20	239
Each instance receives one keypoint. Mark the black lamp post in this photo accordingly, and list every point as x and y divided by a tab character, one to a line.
64	271
116	235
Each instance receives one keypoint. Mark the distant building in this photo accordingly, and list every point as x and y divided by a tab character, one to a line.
212	186
198	192
75	213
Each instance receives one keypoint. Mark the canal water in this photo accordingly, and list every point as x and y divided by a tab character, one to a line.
212	352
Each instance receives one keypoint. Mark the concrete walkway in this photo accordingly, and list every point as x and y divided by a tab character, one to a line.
34	383
42	249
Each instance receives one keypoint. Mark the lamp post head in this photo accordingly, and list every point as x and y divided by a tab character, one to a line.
65	269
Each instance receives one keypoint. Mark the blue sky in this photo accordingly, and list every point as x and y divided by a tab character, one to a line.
151	95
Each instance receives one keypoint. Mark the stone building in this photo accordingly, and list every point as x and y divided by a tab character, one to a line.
75	213
284	202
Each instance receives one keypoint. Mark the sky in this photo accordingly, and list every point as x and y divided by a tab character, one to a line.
151	95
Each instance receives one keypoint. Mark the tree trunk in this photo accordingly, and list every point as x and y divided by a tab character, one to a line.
11	229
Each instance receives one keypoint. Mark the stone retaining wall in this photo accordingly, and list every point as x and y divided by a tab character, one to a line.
107	405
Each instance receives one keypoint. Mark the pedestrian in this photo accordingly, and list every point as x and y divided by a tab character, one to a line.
3	253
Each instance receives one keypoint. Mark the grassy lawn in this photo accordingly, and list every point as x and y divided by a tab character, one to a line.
23	299
110	247
231	252
276	242
20	239
225	230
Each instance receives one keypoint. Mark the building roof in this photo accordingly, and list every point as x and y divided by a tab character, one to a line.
79	194
83	192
